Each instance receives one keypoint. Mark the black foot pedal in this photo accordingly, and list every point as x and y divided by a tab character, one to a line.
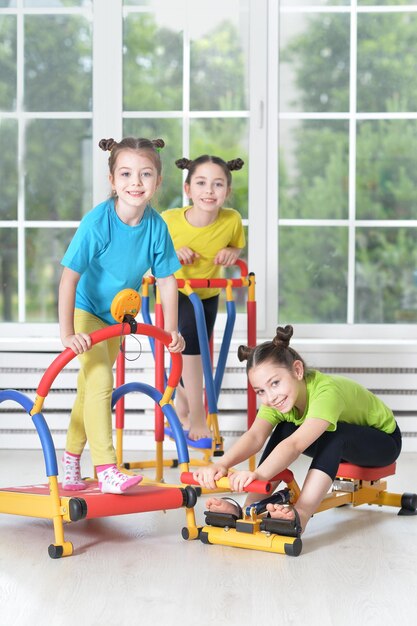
288	528
221	520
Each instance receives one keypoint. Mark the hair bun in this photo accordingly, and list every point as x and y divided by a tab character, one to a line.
283	336
235	164
183	164
158	143
106	144
244	352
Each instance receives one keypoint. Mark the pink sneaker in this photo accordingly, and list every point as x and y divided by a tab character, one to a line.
111	480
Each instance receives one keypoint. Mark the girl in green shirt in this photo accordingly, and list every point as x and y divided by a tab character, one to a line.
328	418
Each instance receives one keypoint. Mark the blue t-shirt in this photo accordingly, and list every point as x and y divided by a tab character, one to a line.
111	255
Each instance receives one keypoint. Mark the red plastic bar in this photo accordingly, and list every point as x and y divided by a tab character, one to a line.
159	371
118	330
120	379
251	317
138	500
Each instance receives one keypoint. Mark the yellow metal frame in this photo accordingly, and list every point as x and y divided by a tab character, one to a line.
346	490
207	454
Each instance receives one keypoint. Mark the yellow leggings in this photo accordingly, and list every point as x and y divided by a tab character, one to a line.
91	417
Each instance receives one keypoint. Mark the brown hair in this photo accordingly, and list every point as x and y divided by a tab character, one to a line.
152	146
277	351
227	167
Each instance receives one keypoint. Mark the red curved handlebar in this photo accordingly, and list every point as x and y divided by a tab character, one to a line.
118	330
243	267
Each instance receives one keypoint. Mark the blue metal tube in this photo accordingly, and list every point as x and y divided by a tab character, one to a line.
41	426
224	350
167	410
205	352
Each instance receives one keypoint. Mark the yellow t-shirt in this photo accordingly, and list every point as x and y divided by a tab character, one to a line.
225	231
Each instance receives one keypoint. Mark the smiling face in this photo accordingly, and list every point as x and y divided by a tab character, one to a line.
135	180
208	188
278	387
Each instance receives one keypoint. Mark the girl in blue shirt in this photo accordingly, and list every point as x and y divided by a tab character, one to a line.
115	244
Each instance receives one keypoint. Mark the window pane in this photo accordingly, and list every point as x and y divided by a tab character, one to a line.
45	248
384	2
387	170
169	195
219	47
313	169
152	61
7	63
58	63
387	50
8	275
315	2
386	275
8	169
314	62
312	275
58	169
56	3
137	3
228	139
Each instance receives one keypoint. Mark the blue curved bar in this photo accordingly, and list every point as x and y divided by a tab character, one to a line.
47	444
17	396
178	433
167	409
224	350
205	352
205	443
41	426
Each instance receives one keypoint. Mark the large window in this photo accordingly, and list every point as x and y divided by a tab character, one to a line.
318	97
347	124
174	69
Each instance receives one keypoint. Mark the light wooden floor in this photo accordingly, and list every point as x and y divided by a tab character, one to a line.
358	566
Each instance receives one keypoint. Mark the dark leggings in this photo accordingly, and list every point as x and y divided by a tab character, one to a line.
360	445
187	324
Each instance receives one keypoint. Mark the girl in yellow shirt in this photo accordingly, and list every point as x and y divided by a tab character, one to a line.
206	238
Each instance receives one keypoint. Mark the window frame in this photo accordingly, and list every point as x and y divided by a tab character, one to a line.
263	220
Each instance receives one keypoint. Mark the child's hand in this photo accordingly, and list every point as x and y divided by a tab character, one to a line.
207	476
178	342
227	256
240	479
187	256
79	343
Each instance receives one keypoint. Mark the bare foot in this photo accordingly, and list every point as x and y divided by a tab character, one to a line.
218	505
185	422
286	512
280	511
199	432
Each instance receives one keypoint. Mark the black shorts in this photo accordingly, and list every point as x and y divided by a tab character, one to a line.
187	323
360	445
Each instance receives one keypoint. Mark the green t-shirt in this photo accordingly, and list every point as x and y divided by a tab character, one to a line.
334	399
